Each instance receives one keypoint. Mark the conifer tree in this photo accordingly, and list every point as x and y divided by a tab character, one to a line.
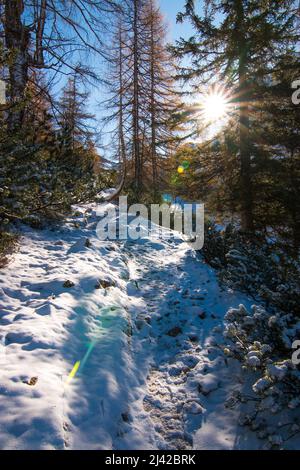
75	122
239	42
163	101
143	100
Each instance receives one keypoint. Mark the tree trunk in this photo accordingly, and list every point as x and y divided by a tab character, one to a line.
153	107
40	21
122	144
295	205
136	133
244	125
17	39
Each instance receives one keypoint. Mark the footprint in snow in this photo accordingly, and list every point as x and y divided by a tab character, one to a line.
167	411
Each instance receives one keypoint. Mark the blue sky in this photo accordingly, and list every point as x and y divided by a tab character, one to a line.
170	8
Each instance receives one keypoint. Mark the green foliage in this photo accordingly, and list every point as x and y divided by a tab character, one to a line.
42	175
259	266
255	164
7	243
146	197
262	342
216	48
211	175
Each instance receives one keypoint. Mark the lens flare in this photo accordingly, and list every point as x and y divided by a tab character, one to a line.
167	198
73	371
215	105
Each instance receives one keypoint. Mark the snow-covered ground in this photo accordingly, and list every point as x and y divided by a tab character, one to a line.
144	320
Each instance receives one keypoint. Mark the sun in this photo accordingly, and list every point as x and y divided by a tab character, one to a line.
215	106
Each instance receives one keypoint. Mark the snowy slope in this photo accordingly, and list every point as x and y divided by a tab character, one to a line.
143	318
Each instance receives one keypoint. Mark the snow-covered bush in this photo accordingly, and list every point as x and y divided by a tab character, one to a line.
7	243
37	182
257	266
262	342
261	339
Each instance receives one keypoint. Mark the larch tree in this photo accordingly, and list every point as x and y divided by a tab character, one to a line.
143	99
52	40
163	100
48	35
119	103
74	122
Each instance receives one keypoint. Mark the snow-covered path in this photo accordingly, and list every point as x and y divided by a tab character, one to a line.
143	318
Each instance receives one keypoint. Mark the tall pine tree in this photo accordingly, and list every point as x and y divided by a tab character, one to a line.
239	43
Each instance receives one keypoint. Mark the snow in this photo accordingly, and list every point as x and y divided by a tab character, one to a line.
277	371
252	359
262	384
143	318
208	383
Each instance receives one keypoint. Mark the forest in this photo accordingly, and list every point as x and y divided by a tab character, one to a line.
131	343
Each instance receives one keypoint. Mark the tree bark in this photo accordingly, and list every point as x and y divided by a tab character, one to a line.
244	125
40	20
152	105
17	38
136	133
295	207
122	144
